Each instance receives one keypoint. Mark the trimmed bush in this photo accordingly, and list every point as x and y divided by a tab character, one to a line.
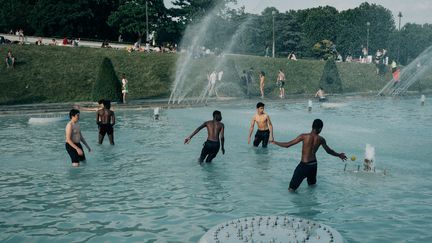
107	85
330	80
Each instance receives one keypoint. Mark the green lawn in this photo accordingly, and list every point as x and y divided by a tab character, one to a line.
65	74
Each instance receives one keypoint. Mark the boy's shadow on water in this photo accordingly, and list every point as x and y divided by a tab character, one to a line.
306	203
216	196
262	157
213	177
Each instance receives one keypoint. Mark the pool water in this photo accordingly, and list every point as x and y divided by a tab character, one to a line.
150	188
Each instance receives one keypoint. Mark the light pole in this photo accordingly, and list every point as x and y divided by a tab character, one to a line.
147	29
273	52
367	38
399	35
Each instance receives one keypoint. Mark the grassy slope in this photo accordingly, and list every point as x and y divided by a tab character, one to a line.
63	74
57	74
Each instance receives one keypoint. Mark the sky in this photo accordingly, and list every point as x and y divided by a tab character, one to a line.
413	11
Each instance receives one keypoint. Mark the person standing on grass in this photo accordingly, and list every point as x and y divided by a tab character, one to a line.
280	82
125	88
262	81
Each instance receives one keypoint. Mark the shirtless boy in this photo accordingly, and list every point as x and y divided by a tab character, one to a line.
105	118
307	168
280	82
265	127
73	139
262	80
321	95
215	137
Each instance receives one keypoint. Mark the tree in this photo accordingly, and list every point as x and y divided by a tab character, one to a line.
191	11
330	79
130	17
317	24
107	85
352	36
14	15
64	18
324	49
414	39
289	34
253	39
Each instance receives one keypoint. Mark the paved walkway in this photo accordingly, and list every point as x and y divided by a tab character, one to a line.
47	40
83	106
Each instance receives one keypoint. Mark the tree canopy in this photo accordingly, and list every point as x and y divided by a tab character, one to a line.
351	30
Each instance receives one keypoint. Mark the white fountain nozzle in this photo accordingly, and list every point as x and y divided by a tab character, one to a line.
156	113
309	105
423	98
369	158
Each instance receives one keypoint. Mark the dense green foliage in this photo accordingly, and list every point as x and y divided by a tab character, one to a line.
131	18
295	30
107	85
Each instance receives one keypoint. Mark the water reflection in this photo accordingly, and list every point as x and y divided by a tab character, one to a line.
262	158
306	204
149	186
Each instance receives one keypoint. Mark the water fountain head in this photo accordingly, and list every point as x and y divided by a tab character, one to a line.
422	99
369	158
156	113
309	105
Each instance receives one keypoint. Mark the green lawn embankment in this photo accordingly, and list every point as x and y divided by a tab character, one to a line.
64	74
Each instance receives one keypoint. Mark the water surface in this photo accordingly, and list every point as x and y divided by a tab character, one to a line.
150	188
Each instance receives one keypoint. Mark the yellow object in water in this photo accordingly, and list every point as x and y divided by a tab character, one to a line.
353	158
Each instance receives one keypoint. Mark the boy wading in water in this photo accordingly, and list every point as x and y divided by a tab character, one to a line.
265	127
307	168
105	119
73	139
215	138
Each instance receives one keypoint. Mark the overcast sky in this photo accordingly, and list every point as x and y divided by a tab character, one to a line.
414	11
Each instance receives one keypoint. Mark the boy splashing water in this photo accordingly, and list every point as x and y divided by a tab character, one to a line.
215	138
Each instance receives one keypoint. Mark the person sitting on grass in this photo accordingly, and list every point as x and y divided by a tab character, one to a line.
10	59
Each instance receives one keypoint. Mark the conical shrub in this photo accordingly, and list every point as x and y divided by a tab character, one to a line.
330	80
107	85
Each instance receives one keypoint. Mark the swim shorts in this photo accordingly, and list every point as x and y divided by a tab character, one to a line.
105	128
261	136
304	170
280	83
210	150
322	99
74	154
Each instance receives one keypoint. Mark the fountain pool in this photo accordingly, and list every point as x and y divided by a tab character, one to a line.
150	188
